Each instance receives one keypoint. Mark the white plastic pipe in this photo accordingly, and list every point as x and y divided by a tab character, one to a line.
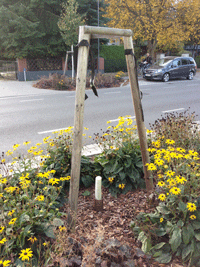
98	182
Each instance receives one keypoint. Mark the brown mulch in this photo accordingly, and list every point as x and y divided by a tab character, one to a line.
105	238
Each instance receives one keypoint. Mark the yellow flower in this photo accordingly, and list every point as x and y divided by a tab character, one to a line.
1	229
26	143
10	213
161	220
62	228
3	180
121	186
4	263
111	147
151	167
3	161
170	142
16	146
108	121
193	217
12	221
175	190
53	181
159	162
171	182
110	179
161	183
10	189
180	180
170	173
32	239
9	152
2	241
26	254
162	197
191	206
40	198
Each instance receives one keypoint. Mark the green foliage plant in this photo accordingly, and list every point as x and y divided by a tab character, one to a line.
29	209
120	163
173	229
197	59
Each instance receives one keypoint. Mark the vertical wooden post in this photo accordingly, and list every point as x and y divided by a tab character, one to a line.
128	44
83	52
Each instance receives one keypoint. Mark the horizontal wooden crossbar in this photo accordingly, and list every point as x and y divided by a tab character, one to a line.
105	32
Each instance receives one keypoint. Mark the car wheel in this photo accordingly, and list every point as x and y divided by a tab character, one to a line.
165	77
191	75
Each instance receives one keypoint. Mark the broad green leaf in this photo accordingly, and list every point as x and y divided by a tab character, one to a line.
49	231
159	245
146	245
164	258
163	209
57	222
142	237
186	251
187	233
160	232
176	239
86	193
182	206
197	235
196	225
87	180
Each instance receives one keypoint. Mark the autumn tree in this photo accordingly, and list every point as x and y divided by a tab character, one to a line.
189	18
154	21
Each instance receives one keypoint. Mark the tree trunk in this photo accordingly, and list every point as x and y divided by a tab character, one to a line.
151	46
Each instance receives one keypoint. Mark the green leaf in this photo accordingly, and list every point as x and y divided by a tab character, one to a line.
196	225
24	218
159	245
49	231
142	237
57	222
163	209
186	251
164	258
182	206
160	232
86	193
146	245
187	233
176	239
87	180
197	236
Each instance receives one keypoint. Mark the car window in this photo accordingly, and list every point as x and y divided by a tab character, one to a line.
191	61
184	61
176	63
162	62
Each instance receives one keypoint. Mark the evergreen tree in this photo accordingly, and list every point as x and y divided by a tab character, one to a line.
28	28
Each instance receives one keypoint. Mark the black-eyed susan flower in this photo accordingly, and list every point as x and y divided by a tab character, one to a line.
1	229
3	240
170	173
170	142
10	213
110	179
26	254
121	186
162	197
180	179
5	263
161	220
33	239
193	217
62	228
161	183
26	143
151	167
12	221
191	206
40	198
175	191
53	181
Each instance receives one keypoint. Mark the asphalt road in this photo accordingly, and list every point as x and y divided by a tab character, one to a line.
30	114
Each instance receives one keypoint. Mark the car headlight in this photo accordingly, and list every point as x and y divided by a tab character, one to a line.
158	71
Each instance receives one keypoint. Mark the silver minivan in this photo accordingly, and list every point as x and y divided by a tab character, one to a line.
171	68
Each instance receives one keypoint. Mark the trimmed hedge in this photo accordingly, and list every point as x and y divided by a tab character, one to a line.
197	59
114	57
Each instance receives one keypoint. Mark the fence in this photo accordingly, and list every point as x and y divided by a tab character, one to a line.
8	69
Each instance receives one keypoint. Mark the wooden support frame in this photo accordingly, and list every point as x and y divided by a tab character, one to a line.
87	33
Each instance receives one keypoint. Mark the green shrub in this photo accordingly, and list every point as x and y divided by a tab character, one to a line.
197	59
173	229
29	213
120	163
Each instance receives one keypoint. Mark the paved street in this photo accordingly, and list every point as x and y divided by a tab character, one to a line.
28	113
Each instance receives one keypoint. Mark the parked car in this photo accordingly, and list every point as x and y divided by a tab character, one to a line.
171	68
